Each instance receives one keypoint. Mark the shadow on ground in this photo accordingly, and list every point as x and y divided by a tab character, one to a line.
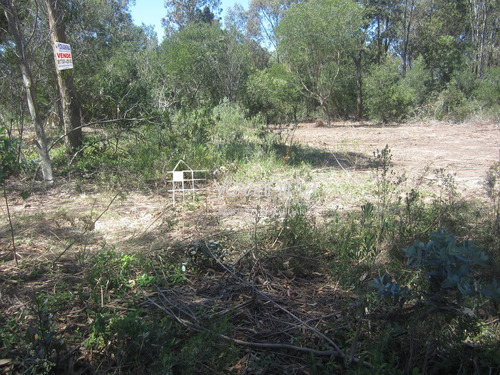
296	155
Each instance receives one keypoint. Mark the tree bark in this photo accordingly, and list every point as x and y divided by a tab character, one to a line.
483	34
359	87
324	106
69	101
407	19
29	84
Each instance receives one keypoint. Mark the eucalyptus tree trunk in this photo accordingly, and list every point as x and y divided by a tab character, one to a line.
69	101
479	13
29	84
359	85
407	20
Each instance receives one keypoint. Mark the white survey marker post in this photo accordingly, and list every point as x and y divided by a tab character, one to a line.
63	56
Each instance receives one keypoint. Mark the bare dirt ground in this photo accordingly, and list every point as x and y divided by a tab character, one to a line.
467	150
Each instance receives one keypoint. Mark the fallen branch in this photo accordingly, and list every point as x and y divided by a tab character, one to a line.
195	326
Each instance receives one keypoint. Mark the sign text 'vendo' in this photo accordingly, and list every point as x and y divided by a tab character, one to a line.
63	56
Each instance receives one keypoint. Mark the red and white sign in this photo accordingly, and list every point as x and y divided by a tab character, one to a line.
63	56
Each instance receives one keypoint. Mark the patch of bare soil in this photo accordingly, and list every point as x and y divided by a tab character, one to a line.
467	150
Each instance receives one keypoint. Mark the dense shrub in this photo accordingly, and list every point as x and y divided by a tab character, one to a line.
487	91
8	156
274	92
386	98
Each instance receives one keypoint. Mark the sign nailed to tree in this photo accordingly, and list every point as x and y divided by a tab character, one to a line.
63	56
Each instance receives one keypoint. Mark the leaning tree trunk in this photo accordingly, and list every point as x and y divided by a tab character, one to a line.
29	84
324	105
69	102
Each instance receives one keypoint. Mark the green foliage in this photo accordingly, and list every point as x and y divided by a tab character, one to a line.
198	66
205	254
492	227
390	289
417	86
9	163
122	94
46	345
492	185
385	186
437	39
314	40
448	265
302	240
139	340
456	102
487	91
274	93
134	339
386	97
232	125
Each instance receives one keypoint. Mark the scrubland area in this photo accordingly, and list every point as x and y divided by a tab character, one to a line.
304	187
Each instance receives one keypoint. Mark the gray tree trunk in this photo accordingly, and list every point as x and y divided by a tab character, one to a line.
29	84
69	101
359	86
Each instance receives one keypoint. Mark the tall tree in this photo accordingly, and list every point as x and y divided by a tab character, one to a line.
69	101
358	58
316	40
107	47
439	35
263	19
483	16
182	13
408	7
201	63
16	29
385	16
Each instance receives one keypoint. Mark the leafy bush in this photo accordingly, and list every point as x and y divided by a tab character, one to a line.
231	124
274	92
488	89
449	265
390	289
453	104
416	83
8	156
386	98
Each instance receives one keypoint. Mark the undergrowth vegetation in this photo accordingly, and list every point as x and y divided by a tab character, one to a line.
406	282
282	255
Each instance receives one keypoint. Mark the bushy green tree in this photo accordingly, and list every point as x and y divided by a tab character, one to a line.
275	93
488	90
200	65
314	39
386	97
107	47
439	29
183	13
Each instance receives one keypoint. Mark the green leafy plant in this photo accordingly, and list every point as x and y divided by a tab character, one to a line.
391	289
448	265
9	161
45	345
387	99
